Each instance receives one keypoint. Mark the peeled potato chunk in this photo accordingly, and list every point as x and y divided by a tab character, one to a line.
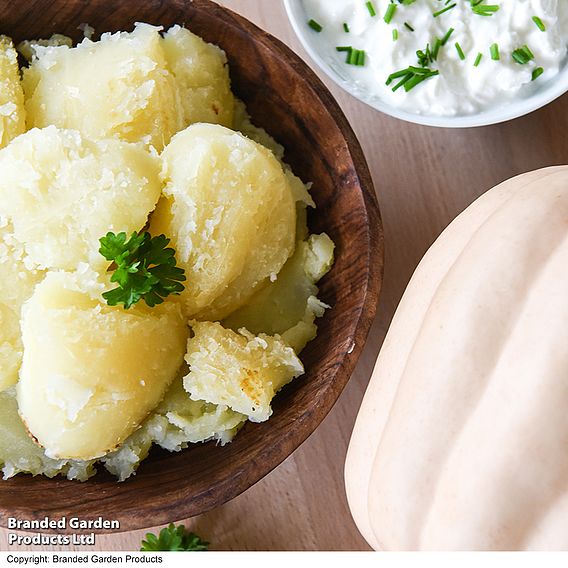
62	193
202	76
19	453
289	306
118	86
12	114
91	373
238	370
17	282
229	209
177	422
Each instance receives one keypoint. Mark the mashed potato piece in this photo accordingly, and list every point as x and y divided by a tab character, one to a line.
28	48
289	305
177	422
242	122
17	282
238	370
229	209
91	373
118	86
12	114
62	193
202	76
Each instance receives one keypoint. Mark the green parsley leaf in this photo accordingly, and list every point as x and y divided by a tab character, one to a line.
144	268
175	539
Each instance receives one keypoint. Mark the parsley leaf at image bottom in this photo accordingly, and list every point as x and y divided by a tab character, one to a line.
174	539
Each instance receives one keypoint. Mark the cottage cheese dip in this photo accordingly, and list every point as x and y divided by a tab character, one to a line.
476	54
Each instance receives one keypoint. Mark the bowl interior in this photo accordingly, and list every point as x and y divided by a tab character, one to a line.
540	96
287	99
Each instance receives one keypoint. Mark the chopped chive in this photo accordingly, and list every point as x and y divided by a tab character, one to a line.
447	36
371	9
537	73
539	23
354	56
436	50
440	12
395	34
408	26
461	54
494	50
478	59
389	14
522	55
410	77
345	28
315	26
483	9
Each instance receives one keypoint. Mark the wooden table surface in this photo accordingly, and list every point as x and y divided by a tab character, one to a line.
423	177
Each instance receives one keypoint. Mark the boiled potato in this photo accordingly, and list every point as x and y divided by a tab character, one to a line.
12	114
19	453
242	122
62	192
17	282
238	370
28	48
202	76
230	211
118	86
177	422
91	373
289	305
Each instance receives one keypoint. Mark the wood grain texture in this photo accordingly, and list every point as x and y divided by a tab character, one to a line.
291	103
423	178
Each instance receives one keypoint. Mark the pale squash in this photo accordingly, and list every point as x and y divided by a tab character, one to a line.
460	442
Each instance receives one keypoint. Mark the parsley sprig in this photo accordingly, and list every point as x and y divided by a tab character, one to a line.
144	269
174	539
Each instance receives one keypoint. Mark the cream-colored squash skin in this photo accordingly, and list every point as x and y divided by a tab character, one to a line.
91	373
460	440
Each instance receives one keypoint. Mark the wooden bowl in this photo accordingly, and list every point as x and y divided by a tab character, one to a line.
286	98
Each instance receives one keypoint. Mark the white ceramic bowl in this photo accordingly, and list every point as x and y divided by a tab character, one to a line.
544	94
